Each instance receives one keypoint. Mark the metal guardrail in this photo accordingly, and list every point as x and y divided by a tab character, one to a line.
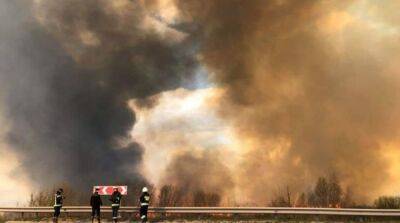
216	210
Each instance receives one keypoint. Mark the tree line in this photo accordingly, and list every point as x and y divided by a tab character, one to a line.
326	192
168	195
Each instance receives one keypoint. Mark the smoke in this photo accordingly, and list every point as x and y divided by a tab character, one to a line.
191	172
309	88
68	69
185	142
312	88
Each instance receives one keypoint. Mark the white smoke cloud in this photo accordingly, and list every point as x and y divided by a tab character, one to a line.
15	187
182	119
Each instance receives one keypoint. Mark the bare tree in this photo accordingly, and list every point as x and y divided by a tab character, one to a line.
334	191
41	198
282	199
213	199
347	200
312	199
200	198
170	196
45	197
321	192
301	200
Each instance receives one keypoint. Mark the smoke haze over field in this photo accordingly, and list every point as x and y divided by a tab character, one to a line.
298	90
313	85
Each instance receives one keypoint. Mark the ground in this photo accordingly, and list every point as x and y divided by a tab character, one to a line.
205	221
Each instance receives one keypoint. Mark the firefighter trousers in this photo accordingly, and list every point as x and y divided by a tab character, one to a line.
57	211
115	212
143	212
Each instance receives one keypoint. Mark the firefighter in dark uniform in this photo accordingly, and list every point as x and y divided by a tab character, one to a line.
144	204
58	202
95	202
115	203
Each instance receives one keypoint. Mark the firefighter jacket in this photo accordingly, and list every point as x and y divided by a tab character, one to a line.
116	198
58	200
144	199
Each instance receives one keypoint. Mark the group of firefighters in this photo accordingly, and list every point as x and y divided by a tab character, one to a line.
96	203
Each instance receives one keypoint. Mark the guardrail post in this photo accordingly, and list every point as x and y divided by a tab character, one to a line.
22	215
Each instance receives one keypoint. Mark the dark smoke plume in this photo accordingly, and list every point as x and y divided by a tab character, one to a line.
68	69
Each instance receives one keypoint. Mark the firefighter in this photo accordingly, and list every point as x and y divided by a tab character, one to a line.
58	202
144	204
115	203
95	202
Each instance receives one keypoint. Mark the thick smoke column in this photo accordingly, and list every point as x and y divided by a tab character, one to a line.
68	69
312	87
